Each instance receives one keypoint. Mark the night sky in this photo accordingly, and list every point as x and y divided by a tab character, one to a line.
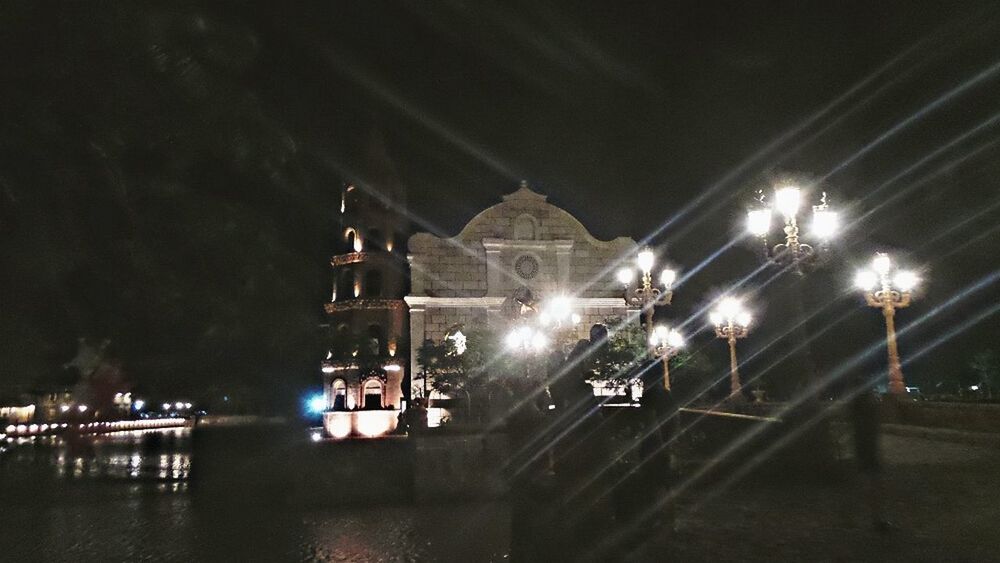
169	172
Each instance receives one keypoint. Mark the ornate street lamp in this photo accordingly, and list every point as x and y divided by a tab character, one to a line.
646	295
732	322
665	343
787	202
889	289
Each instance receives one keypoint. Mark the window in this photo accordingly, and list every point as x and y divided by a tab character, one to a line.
377	341
373	394
373	283
353	239
339	391
345	284
524	227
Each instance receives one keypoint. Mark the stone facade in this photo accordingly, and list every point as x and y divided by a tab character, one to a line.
522	246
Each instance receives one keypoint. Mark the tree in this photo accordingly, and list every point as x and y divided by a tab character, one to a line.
986	366
616	360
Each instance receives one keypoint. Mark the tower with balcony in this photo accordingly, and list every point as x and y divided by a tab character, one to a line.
365	372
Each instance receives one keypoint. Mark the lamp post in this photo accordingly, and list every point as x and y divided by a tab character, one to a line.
732	322
646	295
665	343
793	252
889	289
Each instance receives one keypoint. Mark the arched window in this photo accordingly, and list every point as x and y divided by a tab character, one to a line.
524	227
345	284
373	283
372	394
338	389
353	239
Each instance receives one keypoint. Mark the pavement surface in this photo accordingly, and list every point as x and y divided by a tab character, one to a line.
944	498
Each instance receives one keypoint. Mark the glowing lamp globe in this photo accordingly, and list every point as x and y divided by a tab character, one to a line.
905	281
625	276
645	260
825	223
787	200
744	319
881	264
866	280
759	221
729	307
716	318
668	277
675	339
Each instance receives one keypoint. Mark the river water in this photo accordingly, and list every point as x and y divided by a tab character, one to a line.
127	497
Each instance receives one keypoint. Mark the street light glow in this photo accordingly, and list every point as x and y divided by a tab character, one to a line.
787	200
316	404
905	280
668	277
139	404
645	260
625	276
744	319
759	221
881	264
559	308
865	279
539	341
825	223
730	307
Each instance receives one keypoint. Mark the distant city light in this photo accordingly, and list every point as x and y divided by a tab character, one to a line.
139	404
166	406
82	408
178	405
316	436
63	408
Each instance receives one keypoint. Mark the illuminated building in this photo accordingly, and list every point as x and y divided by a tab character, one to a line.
366	366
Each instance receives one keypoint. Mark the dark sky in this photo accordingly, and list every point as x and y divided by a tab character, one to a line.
639	118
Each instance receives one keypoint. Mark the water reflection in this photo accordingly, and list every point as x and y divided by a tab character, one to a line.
158	455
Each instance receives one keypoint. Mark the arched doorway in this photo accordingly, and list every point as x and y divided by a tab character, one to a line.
339	391
372	391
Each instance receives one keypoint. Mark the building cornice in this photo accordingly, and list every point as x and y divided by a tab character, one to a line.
518	244
425	300
364	305
422	301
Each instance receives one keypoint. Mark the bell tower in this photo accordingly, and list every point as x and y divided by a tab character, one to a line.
367	367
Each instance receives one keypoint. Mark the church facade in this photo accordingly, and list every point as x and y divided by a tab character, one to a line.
519	250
